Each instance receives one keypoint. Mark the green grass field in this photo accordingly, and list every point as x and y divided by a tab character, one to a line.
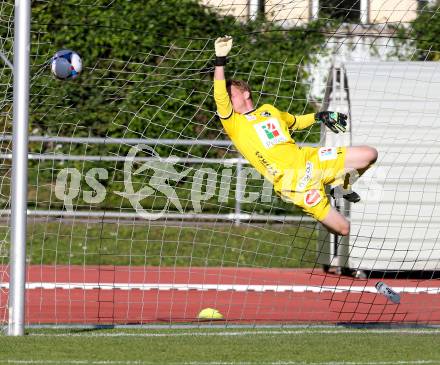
169	244
329	346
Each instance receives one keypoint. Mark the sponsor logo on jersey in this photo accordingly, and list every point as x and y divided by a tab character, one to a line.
250	117
266	114
271	168
327	153
312	197
270	133
306	178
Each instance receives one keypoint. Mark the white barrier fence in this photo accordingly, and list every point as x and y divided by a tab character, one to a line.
239	162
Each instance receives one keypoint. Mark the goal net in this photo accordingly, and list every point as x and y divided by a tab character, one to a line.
141	210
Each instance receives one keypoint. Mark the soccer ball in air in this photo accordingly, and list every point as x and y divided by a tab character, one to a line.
66	65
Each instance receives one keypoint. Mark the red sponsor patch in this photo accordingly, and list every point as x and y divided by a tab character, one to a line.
312	197
327	153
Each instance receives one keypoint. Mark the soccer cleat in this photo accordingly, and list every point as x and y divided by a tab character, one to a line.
352	196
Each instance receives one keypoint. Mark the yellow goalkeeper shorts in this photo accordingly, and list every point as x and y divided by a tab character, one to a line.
305	186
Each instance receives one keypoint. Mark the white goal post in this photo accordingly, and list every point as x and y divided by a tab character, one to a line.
19	167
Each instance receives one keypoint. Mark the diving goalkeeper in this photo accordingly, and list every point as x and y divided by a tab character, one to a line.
298	174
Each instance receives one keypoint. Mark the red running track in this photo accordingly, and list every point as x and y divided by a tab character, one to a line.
138	295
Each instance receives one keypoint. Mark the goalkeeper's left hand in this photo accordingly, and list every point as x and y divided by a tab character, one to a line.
337	122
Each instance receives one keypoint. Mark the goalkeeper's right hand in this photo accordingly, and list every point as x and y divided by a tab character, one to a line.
223	46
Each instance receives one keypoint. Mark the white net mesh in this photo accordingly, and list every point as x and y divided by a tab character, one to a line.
142	211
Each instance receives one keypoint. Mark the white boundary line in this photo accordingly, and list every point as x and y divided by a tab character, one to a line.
221	287
242	333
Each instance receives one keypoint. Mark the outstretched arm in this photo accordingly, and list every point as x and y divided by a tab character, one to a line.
298	122
336	122
224	106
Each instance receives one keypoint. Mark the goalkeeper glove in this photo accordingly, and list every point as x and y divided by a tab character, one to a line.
223	46
337	122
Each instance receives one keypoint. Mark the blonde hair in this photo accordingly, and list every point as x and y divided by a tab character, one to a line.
240	84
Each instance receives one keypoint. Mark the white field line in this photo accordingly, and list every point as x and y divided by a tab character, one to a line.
141	362
221	287
243	333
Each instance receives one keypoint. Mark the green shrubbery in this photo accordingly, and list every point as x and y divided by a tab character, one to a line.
148	74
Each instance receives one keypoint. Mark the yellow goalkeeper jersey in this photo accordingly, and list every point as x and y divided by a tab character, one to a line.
262	135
